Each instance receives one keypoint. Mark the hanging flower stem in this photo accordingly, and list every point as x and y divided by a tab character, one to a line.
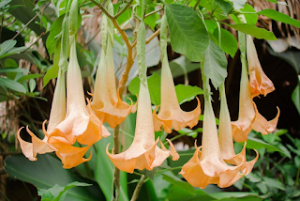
138	188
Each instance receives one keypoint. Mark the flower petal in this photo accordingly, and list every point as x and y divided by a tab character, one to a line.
259	82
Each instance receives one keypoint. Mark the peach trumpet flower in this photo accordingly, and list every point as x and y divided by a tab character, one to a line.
259	82
249	117
58	113
106	102
226	141
207	166
143	152
170	114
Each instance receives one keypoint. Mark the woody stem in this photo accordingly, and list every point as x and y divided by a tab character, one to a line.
116	170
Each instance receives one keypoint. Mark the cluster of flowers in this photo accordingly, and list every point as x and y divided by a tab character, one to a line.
74	126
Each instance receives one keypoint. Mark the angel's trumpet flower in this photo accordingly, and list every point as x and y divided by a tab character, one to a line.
58	113
259	82
226	141
143	152
106	102
249	117
207	166
170	114
80	124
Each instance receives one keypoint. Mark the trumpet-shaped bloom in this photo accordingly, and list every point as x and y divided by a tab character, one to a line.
81	123
143	152
170	114
78	124
226	141
58	113
259	82
249	117
208	167
106	102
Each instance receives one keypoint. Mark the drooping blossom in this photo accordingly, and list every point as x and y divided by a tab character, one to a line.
65	128
143	153
170	114
249	117
207	166
58	112
259	82
226	140
106	102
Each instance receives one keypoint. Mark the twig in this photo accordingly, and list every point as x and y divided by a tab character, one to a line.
197	4
148	40
103	9
123	10
93	37
138	188
153	36
153	12
31	20
40	36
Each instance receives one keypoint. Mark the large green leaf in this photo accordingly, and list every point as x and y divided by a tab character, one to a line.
236	196
280	17
215	64
253	30
45	173
228	42
186	30
182	184
6	46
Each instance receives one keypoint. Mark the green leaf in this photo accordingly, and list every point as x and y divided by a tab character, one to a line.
183	185
274	183
57	192
253	143
45	173
184	93
6	46
236	196
280	17
11	84
55	35
296	96
186	27
238	4
215	64
32	85
228	42
250	18
27	77
10	63
13	70
187	93
252	30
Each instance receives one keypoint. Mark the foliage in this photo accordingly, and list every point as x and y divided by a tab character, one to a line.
198	31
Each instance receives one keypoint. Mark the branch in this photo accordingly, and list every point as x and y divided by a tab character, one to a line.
31	20
116	171
103	9
123	10
153	36
153	12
